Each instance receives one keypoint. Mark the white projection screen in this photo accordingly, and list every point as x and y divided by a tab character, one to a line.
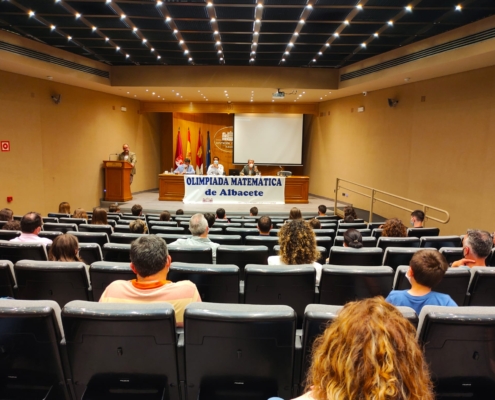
275	139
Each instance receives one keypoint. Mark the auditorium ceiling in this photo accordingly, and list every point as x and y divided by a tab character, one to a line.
289	33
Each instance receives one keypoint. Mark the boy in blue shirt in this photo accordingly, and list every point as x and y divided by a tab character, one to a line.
426	270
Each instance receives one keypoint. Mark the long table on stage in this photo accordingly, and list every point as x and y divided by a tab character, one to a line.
171	188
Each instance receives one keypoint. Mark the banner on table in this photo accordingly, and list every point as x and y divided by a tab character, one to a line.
234	189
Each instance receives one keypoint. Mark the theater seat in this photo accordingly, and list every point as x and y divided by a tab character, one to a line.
452	254
59	281
90	253
238	351
395	256
103	273
481	288
122	351
45	220
491	259
96	228
351	225
325	232
125	237
274	232
290	285
122	229
384	242
349	256
242	255
77	221
176	230
64	228
243	232
31	361
9	235
377	232
226	239
91	237
454	283
52	234
173	224
374	225
15	251
170	238
215	283
119	252
420	232
7	281
341	284
59	215
440	241
200	254
458	345
363	232
262	240
368	241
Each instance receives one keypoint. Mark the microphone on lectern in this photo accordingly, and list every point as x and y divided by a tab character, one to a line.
112	154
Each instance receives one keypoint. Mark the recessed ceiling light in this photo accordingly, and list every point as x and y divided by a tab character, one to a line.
221	58
255	44
304	93
94	28
181	41
190	59
218	43
359	7
158	57
117	48
290	44
135	95
52	27
77	15
258	20
458	7
375	34
213	20
327	44
127	56
283	59
31	13
219	51
69	37
390	23
152	49
309	6
336	34
107	39
177	94
134	29
321	98
153	93
314	59
260	5
209	4
296	34
273	101
168	19
159	3
108	1
215	33
408	8
127	92
301	21
363	44
255	33
346	22
122	16
176	31
146	89
320	53
145	40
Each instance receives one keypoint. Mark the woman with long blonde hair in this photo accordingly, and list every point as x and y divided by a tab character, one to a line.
369	352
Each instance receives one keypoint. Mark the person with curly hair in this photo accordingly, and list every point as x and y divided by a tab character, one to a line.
349	210
368	352
80	213
297	246
394	227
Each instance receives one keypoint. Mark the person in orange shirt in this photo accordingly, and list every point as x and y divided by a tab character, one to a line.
150	262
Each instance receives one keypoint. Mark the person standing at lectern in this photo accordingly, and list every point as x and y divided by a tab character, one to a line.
185	169
130	157
216	168
250	169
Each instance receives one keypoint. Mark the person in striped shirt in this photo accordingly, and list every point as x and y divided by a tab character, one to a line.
150	262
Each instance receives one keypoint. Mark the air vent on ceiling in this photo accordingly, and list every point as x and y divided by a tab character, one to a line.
441	48
51	59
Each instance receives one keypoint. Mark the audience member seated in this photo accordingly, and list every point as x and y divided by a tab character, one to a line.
198	226
150	262
394	227
64	207
221	215
426	270
476	247
80	213
138	226
417	218
368	352
137	210
114	208
315	223
349	210
6	214
12	226
65	247
295	213
322	210
265	225
348	219
253	212
297	246
353	239
99	216
165	216
210	218
30	227
180	211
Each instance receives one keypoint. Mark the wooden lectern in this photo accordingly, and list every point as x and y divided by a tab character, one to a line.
117	180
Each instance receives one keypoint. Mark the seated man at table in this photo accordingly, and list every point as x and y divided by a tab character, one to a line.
185	169
150	262
250	169
265	225
216	168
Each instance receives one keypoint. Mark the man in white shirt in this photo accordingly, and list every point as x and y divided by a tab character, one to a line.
185	169
30	228
216	168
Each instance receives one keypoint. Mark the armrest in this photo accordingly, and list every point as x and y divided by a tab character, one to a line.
181	361
317	295
297	364
64	358
241	292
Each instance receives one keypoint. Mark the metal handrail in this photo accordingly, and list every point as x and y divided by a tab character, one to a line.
425	207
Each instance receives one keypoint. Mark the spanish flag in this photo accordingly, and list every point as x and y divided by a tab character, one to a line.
188	148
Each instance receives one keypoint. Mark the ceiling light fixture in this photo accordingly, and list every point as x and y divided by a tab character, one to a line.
77	15
168	19
145	40
52	27
117	48
458	7
336	34
94	28
123	16
31	13
391	23
346	22
408	8
359	7
375	34
134	29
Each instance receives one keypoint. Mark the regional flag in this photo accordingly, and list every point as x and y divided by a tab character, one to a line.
199	153
179	158
188	148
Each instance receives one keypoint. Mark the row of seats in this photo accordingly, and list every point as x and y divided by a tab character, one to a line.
225	351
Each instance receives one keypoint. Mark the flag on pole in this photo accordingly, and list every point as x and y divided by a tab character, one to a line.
188	148
199	153
179	158
208	152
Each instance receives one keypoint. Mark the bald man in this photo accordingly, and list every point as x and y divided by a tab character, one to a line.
130	157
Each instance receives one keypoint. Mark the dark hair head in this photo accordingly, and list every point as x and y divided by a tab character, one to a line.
265	224
353	238
394	227
6	214
138	226
114	207
165	216
315	223
187	161
429	267
65	247
322	208
12	226
253	211
149	255
180	211
295	213
480	242
220	213
419	215
216	157
348	219
297	243
30	222
99	216
210	218
349	210
64	207
80	213
136	210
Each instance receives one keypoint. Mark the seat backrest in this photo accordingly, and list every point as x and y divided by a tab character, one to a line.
131	217
384	242
368	241
120	252
226	239
452	254
77	221
215	283
59	215
199	254
341	284
226	224
170	238
52	234
440	241
15	251
102	273
217	336
162	223
325	232
7	280
395	256
243	232
9	235
96	228
352	225
60	227
90	253
324	241
481	288
454	283
125	237
59	281
122	229
91	237
420	232
374	225
31	365
458	345
377	232
328	225
107	342
155	229
290	285
364	232
262	240
491	259
362	257
242	255
45	220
